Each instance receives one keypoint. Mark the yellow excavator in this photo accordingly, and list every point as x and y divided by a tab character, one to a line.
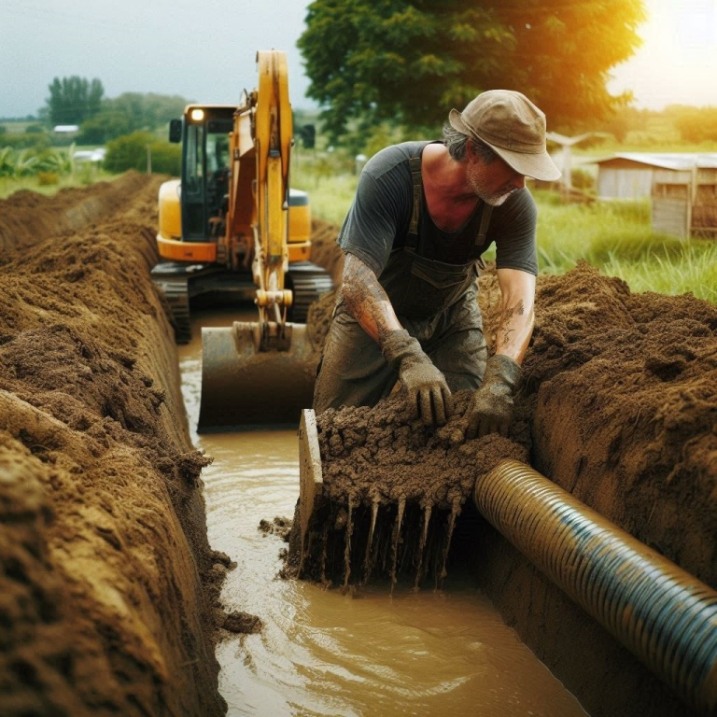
230	230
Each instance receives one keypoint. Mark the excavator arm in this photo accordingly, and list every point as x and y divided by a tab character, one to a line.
259	372
261	150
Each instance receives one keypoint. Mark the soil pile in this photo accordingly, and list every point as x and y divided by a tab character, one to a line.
106	599
618	406
623	394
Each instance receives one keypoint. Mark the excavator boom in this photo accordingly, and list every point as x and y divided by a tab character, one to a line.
260	372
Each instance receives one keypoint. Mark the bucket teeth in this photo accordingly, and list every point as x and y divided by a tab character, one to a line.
361	520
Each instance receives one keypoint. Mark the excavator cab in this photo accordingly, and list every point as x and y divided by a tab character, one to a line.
205	171
203	198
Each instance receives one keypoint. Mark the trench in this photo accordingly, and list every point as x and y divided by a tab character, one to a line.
324	652
103	527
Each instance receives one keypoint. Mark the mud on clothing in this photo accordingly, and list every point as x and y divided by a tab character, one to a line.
429	276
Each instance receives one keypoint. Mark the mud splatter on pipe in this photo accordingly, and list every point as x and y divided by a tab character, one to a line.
662	614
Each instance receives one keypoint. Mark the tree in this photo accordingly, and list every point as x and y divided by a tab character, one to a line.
695	124
74	99
410	62
130	112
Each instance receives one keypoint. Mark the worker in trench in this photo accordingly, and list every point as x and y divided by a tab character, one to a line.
423	214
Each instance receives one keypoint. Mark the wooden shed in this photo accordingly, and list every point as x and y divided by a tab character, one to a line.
684	200
682	188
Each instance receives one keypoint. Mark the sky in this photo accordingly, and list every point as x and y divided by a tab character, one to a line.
205	50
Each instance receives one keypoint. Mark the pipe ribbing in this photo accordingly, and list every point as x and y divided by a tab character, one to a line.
662	614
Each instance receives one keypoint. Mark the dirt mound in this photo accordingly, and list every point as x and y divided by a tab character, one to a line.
618	406
623	391
102	529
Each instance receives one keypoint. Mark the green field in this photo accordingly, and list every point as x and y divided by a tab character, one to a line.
615	237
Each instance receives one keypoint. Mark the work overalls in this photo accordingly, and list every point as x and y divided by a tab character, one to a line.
435	302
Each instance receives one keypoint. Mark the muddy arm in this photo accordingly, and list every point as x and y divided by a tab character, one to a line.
366	299
517	315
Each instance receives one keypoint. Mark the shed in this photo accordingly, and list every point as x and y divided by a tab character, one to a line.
682	187
684	198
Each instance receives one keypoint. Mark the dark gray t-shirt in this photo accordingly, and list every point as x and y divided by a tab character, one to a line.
379	218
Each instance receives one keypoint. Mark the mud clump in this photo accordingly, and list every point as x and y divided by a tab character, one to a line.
392	492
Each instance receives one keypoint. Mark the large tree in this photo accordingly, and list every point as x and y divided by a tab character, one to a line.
74	99
410	62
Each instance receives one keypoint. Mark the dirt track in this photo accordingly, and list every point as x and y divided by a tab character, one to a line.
108	590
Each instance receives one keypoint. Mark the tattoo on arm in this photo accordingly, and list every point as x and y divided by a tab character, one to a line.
366	299
504	320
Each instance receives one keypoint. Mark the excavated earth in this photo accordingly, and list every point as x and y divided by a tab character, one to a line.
109	589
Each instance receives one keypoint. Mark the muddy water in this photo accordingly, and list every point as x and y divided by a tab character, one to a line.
324	653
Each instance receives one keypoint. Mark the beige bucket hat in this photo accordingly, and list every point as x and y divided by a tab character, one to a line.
509	123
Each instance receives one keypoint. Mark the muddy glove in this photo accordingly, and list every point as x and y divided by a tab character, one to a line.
428	394
491	408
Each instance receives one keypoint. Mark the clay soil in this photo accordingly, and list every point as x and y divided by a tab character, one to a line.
618	406
108	587
108	590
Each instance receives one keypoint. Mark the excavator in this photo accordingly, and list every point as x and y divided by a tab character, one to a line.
231	230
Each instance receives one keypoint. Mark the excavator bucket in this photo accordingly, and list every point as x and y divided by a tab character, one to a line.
380	496
255	375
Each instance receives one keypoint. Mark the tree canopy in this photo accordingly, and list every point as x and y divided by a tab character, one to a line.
131	112
410	62
74	99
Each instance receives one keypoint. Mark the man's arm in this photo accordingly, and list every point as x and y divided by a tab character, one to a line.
428	395
366	299
517	315
491	408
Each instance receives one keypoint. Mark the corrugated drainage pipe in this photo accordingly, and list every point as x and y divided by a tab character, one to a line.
662	614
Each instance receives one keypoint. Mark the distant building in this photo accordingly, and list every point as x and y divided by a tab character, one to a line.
682	188
89	155
66	128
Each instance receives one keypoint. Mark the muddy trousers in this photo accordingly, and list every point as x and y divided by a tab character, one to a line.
353	371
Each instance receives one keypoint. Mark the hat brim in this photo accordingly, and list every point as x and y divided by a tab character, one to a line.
538	165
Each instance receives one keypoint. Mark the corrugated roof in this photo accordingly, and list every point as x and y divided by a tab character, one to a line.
670	160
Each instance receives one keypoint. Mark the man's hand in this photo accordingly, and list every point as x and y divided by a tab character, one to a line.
428	394
491	409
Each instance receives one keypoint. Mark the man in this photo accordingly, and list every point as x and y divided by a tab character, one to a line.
423	214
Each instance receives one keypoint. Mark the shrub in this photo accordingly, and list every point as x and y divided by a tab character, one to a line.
140	151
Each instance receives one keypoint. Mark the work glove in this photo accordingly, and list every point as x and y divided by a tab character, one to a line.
428	394
491	408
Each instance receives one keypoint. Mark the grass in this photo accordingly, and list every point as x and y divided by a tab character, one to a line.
82	177
615	237
618	239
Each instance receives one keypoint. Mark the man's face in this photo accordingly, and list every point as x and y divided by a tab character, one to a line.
494	182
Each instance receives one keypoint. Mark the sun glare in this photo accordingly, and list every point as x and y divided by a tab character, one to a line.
677	62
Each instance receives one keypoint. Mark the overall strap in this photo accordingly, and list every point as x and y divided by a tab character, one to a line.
484	222
417	182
